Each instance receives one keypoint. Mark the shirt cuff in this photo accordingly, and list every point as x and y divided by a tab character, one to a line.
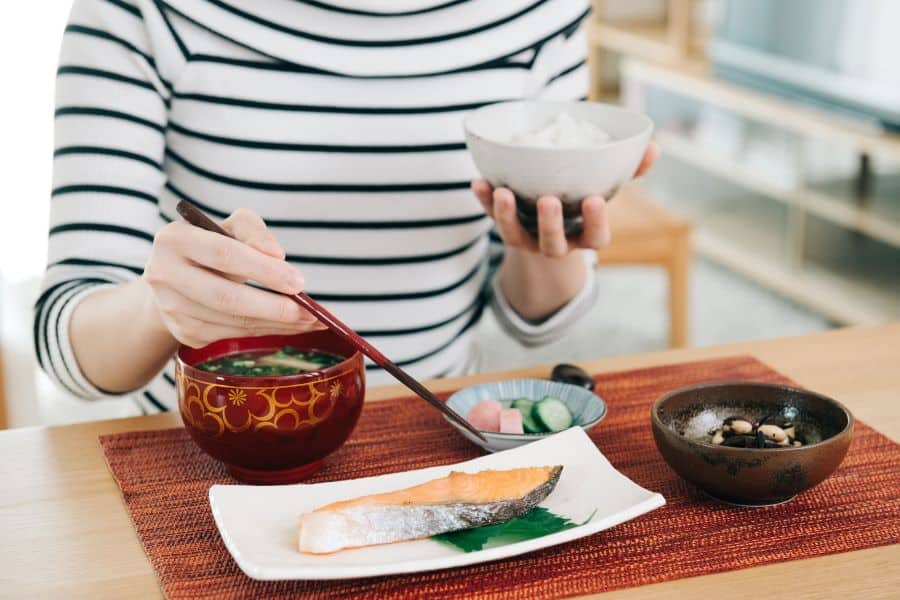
82	385
532	334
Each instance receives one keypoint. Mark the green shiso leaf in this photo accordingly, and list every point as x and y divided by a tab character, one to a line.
537	523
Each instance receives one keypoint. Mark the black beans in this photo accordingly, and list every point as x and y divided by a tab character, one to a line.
777	420
772	431
760	439
740	441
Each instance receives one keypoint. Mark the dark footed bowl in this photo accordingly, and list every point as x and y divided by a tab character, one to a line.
573	222
682	419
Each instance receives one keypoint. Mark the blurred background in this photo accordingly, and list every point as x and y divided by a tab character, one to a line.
774	211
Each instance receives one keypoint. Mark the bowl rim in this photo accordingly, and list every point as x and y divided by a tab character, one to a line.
657	422
251	380
530	436
647	129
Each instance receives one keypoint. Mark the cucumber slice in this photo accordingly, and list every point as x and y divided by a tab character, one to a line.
552	414
525	406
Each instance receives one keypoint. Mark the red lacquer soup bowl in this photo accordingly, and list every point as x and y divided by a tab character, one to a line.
273	429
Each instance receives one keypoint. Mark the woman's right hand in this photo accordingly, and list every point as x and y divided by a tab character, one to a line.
197	280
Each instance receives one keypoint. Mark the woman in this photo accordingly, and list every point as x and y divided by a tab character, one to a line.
339	125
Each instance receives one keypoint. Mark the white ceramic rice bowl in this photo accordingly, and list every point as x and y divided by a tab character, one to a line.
570	173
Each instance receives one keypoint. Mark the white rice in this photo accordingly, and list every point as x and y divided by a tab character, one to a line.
563	132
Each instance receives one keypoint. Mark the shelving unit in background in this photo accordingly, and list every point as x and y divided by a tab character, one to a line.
748	233
674	37
668	55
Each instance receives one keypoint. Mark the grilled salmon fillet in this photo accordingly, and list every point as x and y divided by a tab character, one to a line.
458	501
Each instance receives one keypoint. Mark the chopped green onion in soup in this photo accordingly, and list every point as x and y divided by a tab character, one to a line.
265	363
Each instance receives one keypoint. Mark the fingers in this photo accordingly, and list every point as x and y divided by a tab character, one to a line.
551	240
172	302
650	156
551	235
248	227
596	233
229	297
507	220
197	278
484	192
196	333
230	257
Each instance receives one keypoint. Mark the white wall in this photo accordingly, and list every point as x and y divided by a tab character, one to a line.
30	38
29	49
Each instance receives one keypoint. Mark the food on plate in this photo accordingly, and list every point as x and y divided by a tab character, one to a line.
511	421
536	523
528	423
265	363
458	501
485	416
564	131
772	431
552	414
523	416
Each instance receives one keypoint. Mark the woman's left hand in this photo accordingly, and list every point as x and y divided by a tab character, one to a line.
551	241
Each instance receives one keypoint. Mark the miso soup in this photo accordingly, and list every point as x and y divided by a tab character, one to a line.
263	363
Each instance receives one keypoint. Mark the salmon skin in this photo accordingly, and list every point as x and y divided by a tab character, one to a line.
458	501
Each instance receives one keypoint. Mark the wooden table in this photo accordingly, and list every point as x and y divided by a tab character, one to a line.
66	534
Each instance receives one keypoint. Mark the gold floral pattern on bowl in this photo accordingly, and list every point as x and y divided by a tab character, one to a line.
214	408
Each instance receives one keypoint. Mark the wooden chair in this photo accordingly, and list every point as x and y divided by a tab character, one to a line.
644	233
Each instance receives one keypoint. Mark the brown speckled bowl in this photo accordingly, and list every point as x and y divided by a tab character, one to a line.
682	419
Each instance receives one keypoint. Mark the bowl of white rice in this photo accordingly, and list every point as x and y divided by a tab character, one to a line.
565	149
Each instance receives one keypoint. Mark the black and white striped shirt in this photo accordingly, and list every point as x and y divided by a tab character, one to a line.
339	122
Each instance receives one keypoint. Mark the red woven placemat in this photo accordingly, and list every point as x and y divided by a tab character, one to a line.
164	480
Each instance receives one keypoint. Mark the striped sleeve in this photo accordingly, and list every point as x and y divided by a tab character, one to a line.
562	65
111	111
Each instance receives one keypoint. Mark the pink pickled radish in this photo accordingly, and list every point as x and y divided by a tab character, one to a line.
511	421
485	416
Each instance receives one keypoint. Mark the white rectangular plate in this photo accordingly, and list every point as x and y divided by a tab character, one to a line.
259	524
